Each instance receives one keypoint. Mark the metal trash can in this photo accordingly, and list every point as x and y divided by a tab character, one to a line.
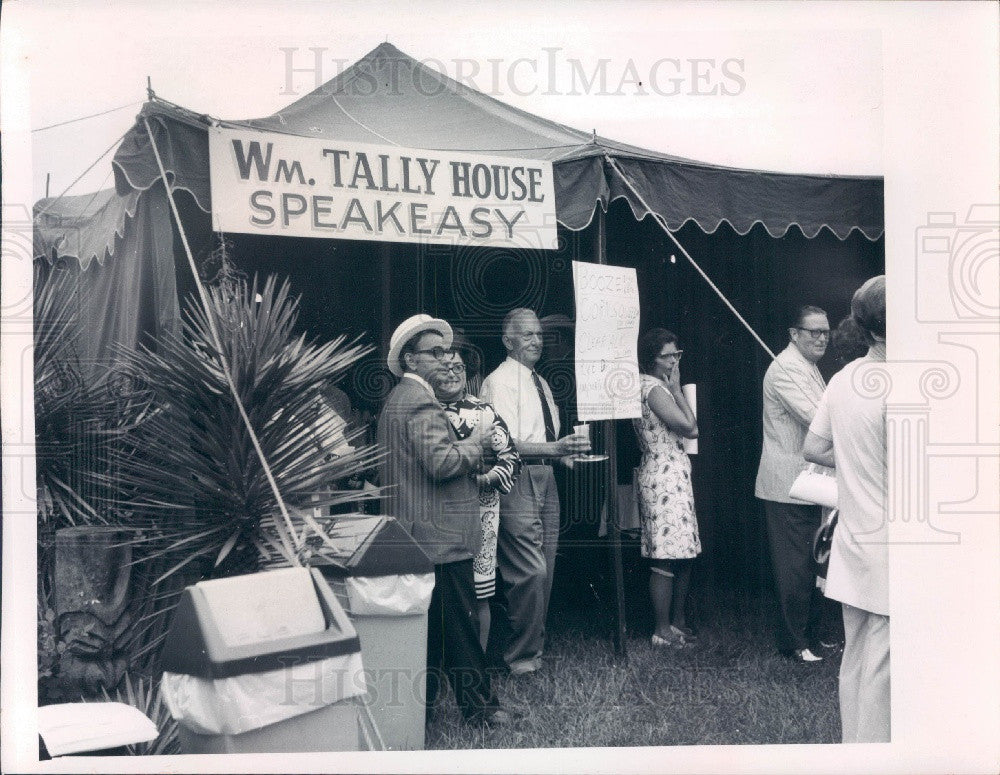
264	663
384	580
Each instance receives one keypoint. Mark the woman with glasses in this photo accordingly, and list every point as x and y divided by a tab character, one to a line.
665	498
466	413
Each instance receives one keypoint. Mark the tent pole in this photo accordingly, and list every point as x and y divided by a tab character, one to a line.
385	291
286	538
611	449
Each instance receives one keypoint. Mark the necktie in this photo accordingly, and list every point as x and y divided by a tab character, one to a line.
550	428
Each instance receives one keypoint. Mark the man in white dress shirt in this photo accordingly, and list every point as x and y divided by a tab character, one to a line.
793	387
529	514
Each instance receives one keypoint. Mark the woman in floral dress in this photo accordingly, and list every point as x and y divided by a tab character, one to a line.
466	412
665	498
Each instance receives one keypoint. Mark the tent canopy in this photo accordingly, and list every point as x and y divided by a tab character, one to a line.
388	97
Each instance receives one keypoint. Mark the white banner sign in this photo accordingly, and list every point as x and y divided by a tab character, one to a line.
607	328
265	183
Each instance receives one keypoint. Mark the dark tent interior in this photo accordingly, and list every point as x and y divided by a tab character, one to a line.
364	289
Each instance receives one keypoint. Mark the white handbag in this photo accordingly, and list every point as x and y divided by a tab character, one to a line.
814	486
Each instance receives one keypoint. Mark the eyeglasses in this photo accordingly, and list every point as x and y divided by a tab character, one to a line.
676	355
816	333
458	368
437	353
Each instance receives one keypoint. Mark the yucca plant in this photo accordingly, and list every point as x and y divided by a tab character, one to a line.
193	486
71	412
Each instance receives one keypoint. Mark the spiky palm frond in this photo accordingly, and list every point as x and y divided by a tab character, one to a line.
71	411
195	487
144	695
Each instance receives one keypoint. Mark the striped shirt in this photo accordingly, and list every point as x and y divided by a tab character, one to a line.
793	388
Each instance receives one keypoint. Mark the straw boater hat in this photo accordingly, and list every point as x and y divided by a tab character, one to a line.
410	328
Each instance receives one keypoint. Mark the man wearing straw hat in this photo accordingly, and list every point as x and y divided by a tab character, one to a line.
433	494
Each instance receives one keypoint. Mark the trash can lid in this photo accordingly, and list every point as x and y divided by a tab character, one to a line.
256	623
372	546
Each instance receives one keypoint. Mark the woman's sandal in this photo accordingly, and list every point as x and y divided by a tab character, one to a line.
675	641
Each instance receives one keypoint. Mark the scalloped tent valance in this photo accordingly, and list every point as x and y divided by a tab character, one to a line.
389	97
88	227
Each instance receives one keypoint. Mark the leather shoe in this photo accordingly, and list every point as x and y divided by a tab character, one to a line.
498	718
525	666
806	657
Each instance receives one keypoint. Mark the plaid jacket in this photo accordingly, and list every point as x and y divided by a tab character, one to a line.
428	470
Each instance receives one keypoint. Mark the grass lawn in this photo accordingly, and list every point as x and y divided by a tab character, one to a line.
731	688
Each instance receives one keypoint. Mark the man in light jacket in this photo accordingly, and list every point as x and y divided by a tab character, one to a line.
793	387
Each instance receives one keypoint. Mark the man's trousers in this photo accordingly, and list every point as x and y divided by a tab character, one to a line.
790	531
453	648
526	556
864	677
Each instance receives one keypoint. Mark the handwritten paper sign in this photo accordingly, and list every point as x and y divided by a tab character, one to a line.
607	328
264	183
